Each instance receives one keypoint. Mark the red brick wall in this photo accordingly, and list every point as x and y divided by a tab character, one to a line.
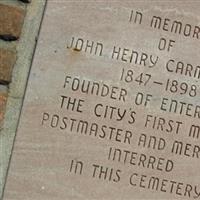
11	22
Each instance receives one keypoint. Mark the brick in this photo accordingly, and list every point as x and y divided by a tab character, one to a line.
7	61
3	99
11	21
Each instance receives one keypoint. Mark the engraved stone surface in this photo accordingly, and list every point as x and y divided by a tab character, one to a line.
112	106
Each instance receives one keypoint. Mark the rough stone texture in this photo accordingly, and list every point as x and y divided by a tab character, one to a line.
7	60
11	21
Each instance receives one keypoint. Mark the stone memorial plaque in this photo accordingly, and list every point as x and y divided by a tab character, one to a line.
112	107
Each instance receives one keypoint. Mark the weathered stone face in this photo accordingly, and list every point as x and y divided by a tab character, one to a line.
112	104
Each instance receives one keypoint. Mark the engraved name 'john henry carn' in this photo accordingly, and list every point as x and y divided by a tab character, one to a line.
119	53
